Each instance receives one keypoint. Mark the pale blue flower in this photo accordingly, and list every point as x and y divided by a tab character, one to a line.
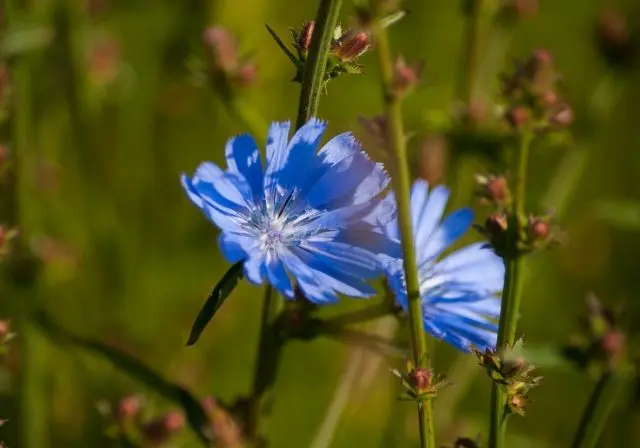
310	218
458	292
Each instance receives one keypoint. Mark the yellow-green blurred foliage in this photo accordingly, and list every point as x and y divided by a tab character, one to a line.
128	259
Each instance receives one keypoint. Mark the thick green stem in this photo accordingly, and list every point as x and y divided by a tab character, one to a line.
315	66
270	344
402	187
512	291
601	403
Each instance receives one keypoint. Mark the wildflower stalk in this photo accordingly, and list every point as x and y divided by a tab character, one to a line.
32	398
601	403
315	66
270	344
512	290
402	185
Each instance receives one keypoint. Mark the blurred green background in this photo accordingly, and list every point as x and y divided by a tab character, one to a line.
116	118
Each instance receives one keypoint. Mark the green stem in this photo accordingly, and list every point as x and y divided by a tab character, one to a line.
402	186
601	403
33	403
268	357
512	291
315	66
471	44
270	344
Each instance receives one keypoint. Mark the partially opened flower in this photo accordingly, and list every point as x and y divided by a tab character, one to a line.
458	292
308	218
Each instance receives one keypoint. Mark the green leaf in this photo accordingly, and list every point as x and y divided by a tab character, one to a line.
225	286
195	414
284	48
392	18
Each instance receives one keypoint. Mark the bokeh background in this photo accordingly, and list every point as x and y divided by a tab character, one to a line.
116	116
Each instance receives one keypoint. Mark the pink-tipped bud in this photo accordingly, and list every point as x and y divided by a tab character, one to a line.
352	45
420	378
518	116
246	74
539	230
549	98
613	343
405	77
224	51
128	408
563	116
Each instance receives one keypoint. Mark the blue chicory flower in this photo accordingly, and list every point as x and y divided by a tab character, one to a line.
314	217
458	292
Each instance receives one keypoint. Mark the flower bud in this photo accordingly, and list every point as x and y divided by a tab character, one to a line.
563	116
494	189
614	37
158	431
539	230
518	403
405	77
496	223
128	408
303	40
223	48
351	45
420	379
518	116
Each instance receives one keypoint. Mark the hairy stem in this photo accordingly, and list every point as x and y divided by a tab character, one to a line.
512	290
402	186
601	403
270	344
314	69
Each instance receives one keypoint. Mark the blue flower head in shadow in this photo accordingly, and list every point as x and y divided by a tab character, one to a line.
458	292
308	217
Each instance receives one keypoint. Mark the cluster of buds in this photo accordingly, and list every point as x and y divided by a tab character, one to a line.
420	384
128	420
533	232
512	372
531	96
346	47
602	345
227	67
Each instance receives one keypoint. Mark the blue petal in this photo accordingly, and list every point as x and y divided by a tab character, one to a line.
307	281
345	257
475	266
429	215
243	159
232	248
419	195
335	274
452	228
354	180
276	157
254	269
278	277
227	189
216	214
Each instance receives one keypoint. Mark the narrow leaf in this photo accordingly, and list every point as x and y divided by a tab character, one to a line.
222	290
195	414
392	18
284	48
